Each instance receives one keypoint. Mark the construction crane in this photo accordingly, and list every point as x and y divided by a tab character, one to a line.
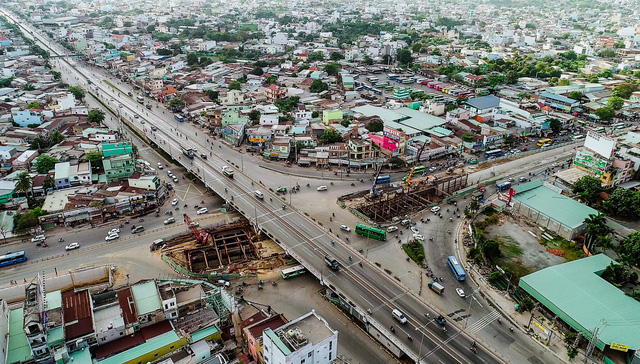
201	236
373	190
408	180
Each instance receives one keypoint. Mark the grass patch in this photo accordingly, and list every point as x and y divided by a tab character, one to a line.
509	246
510	259
570	251
415	251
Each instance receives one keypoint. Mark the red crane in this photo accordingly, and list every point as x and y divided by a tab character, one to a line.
201	236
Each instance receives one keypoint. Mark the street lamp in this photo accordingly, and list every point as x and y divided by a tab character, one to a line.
471	299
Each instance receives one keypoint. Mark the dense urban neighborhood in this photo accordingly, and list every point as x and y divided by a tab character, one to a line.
452	182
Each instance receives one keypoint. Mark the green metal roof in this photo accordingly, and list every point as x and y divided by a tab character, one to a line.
557	207
149	346
55	336
276	340
19	350
145	295
54	300
197	336
575	292
81	356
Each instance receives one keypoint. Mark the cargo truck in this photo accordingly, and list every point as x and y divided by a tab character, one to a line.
188	152
436	287
332	262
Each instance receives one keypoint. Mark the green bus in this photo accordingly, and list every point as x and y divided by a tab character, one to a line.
417	171
371	232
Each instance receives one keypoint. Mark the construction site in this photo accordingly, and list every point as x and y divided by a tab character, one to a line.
386	203
222	249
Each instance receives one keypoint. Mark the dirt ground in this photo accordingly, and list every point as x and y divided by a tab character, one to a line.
522	252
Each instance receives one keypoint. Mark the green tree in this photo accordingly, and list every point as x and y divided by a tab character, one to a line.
332	68
33	105
288	104
318	86
588	189
387	59
467	137
315	114
257	71
526	305
524	95
330	136
77	91
234	85
176	103
45	163
254	116
404	56
624	203
345	122
95	116
563	82
213	95
576	95
24	185
607	53
56	137
629	249
95	158
28	87
605	113
315	56
554	124
336	56
192	59
615	102
615	273
271	80
625	90
375	126
596	229
368	60
416	47
490	250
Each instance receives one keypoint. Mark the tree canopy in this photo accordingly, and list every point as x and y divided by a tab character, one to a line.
95	116
330	136
45	163
318	86
615	102
588	188
77	91
605	113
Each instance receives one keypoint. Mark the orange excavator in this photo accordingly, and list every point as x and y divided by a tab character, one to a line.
408	180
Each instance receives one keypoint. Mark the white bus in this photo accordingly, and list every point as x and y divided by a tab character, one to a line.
293	271
618	126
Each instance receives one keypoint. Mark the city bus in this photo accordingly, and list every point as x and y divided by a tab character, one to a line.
417	170
600	130
542	142
618	126
178	117
371	232
376	91
293	271
456	268
383	179
373	79
392	76
12	258
408	81
493	153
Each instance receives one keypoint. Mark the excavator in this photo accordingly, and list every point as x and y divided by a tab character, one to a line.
408	180
373	190
201	236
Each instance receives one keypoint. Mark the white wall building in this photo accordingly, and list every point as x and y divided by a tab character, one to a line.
307	339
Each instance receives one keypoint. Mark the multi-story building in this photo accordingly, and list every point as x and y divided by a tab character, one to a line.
307	339
118	167
233	97
598	157
275	93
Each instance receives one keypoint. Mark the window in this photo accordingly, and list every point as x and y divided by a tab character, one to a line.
172	346
309	354
330	346
155	355
302	361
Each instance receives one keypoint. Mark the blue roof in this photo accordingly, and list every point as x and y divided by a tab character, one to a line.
484	102
559	98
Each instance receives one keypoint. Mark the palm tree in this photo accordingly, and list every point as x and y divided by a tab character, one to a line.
596	229
24	185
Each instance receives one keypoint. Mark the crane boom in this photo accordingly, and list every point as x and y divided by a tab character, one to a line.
201	236
417	161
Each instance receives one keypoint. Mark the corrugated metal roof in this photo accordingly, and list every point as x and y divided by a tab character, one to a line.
19	350
78	316
560	208
146	297
575	292
149	346
484	102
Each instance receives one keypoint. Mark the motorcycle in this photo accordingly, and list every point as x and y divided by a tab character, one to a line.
61	240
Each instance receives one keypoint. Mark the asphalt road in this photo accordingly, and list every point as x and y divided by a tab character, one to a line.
366	286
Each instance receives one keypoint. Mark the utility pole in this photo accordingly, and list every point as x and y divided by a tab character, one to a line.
592	344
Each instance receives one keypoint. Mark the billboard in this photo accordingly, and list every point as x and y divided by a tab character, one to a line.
600	143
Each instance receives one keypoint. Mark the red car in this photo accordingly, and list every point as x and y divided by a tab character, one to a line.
523	149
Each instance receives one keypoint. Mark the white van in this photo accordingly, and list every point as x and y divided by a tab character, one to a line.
259	194
399	316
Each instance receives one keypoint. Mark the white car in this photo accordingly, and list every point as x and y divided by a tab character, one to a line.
174	202
72	246
38	238
432	169
114	231
169	173
175	180
202	210
345	228
391	229
170	220
322	188
415	230
435	209
460	292
194	223
112	237
160	166
418	236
